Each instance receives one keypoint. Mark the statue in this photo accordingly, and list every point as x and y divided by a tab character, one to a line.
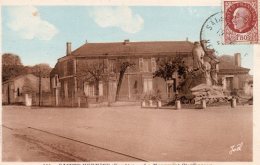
214	76
213	72
198	54
207	71
210	76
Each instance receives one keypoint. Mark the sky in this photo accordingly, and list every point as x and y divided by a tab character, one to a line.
38	34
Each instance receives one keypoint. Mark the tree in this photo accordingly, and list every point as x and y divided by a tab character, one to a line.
11	65
166	68
92	71
11	59
40	70
122	66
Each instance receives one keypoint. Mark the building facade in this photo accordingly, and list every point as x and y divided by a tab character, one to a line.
20	88
71	84
232	76
68	82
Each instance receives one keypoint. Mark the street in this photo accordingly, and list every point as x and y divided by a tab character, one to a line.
127	133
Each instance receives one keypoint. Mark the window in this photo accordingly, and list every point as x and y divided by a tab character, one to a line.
100	86
18	92
171	88
229	83
66	89
106	67
55	81
141	63
153	64
146	65
112	65
89	88
65	69
148	85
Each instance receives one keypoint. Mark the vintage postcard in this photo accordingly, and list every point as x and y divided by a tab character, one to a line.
127	82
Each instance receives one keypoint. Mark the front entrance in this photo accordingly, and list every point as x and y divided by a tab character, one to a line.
147	85
112	85
229	83
171	88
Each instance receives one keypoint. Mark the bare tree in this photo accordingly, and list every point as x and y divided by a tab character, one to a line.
40	70
122	66
92	71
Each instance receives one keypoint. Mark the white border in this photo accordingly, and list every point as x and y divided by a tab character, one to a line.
256	114
115	2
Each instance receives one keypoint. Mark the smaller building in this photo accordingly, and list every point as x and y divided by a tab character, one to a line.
232	76
15	90
248	86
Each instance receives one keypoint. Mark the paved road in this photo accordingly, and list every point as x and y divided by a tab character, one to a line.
126	134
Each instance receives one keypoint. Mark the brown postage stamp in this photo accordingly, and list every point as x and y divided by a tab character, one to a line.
241	21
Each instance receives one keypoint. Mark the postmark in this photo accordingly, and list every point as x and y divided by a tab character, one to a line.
211	33
240	22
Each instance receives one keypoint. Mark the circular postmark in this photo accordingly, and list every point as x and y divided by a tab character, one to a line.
241	17
211	33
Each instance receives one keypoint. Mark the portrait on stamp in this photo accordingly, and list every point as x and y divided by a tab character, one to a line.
241	22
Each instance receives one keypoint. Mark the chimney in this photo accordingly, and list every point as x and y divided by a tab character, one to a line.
68	48
126	41
237	59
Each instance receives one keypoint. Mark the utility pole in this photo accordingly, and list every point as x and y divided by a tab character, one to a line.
108	86
8	93
40	87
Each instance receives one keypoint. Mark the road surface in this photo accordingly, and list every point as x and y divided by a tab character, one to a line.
127	133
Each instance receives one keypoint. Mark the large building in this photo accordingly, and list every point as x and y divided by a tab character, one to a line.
70	80
67	84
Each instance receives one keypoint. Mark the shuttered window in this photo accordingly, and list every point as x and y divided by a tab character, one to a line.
153	64
89	89
141	64
148	85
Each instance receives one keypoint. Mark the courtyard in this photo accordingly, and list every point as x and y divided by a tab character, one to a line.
126	133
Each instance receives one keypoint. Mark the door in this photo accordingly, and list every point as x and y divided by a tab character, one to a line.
148	85
229	83
171	88
112	90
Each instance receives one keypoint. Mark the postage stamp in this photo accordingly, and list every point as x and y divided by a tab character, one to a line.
105	82
241	21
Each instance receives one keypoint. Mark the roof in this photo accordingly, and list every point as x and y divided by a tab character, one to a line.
19	76
90	49
227	64
32	81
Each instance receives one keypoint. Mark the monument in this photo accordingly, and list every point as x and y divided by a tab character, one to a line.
201	82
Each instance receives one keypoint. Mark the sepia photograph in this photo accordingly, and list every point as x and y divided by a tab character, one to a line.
128	83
